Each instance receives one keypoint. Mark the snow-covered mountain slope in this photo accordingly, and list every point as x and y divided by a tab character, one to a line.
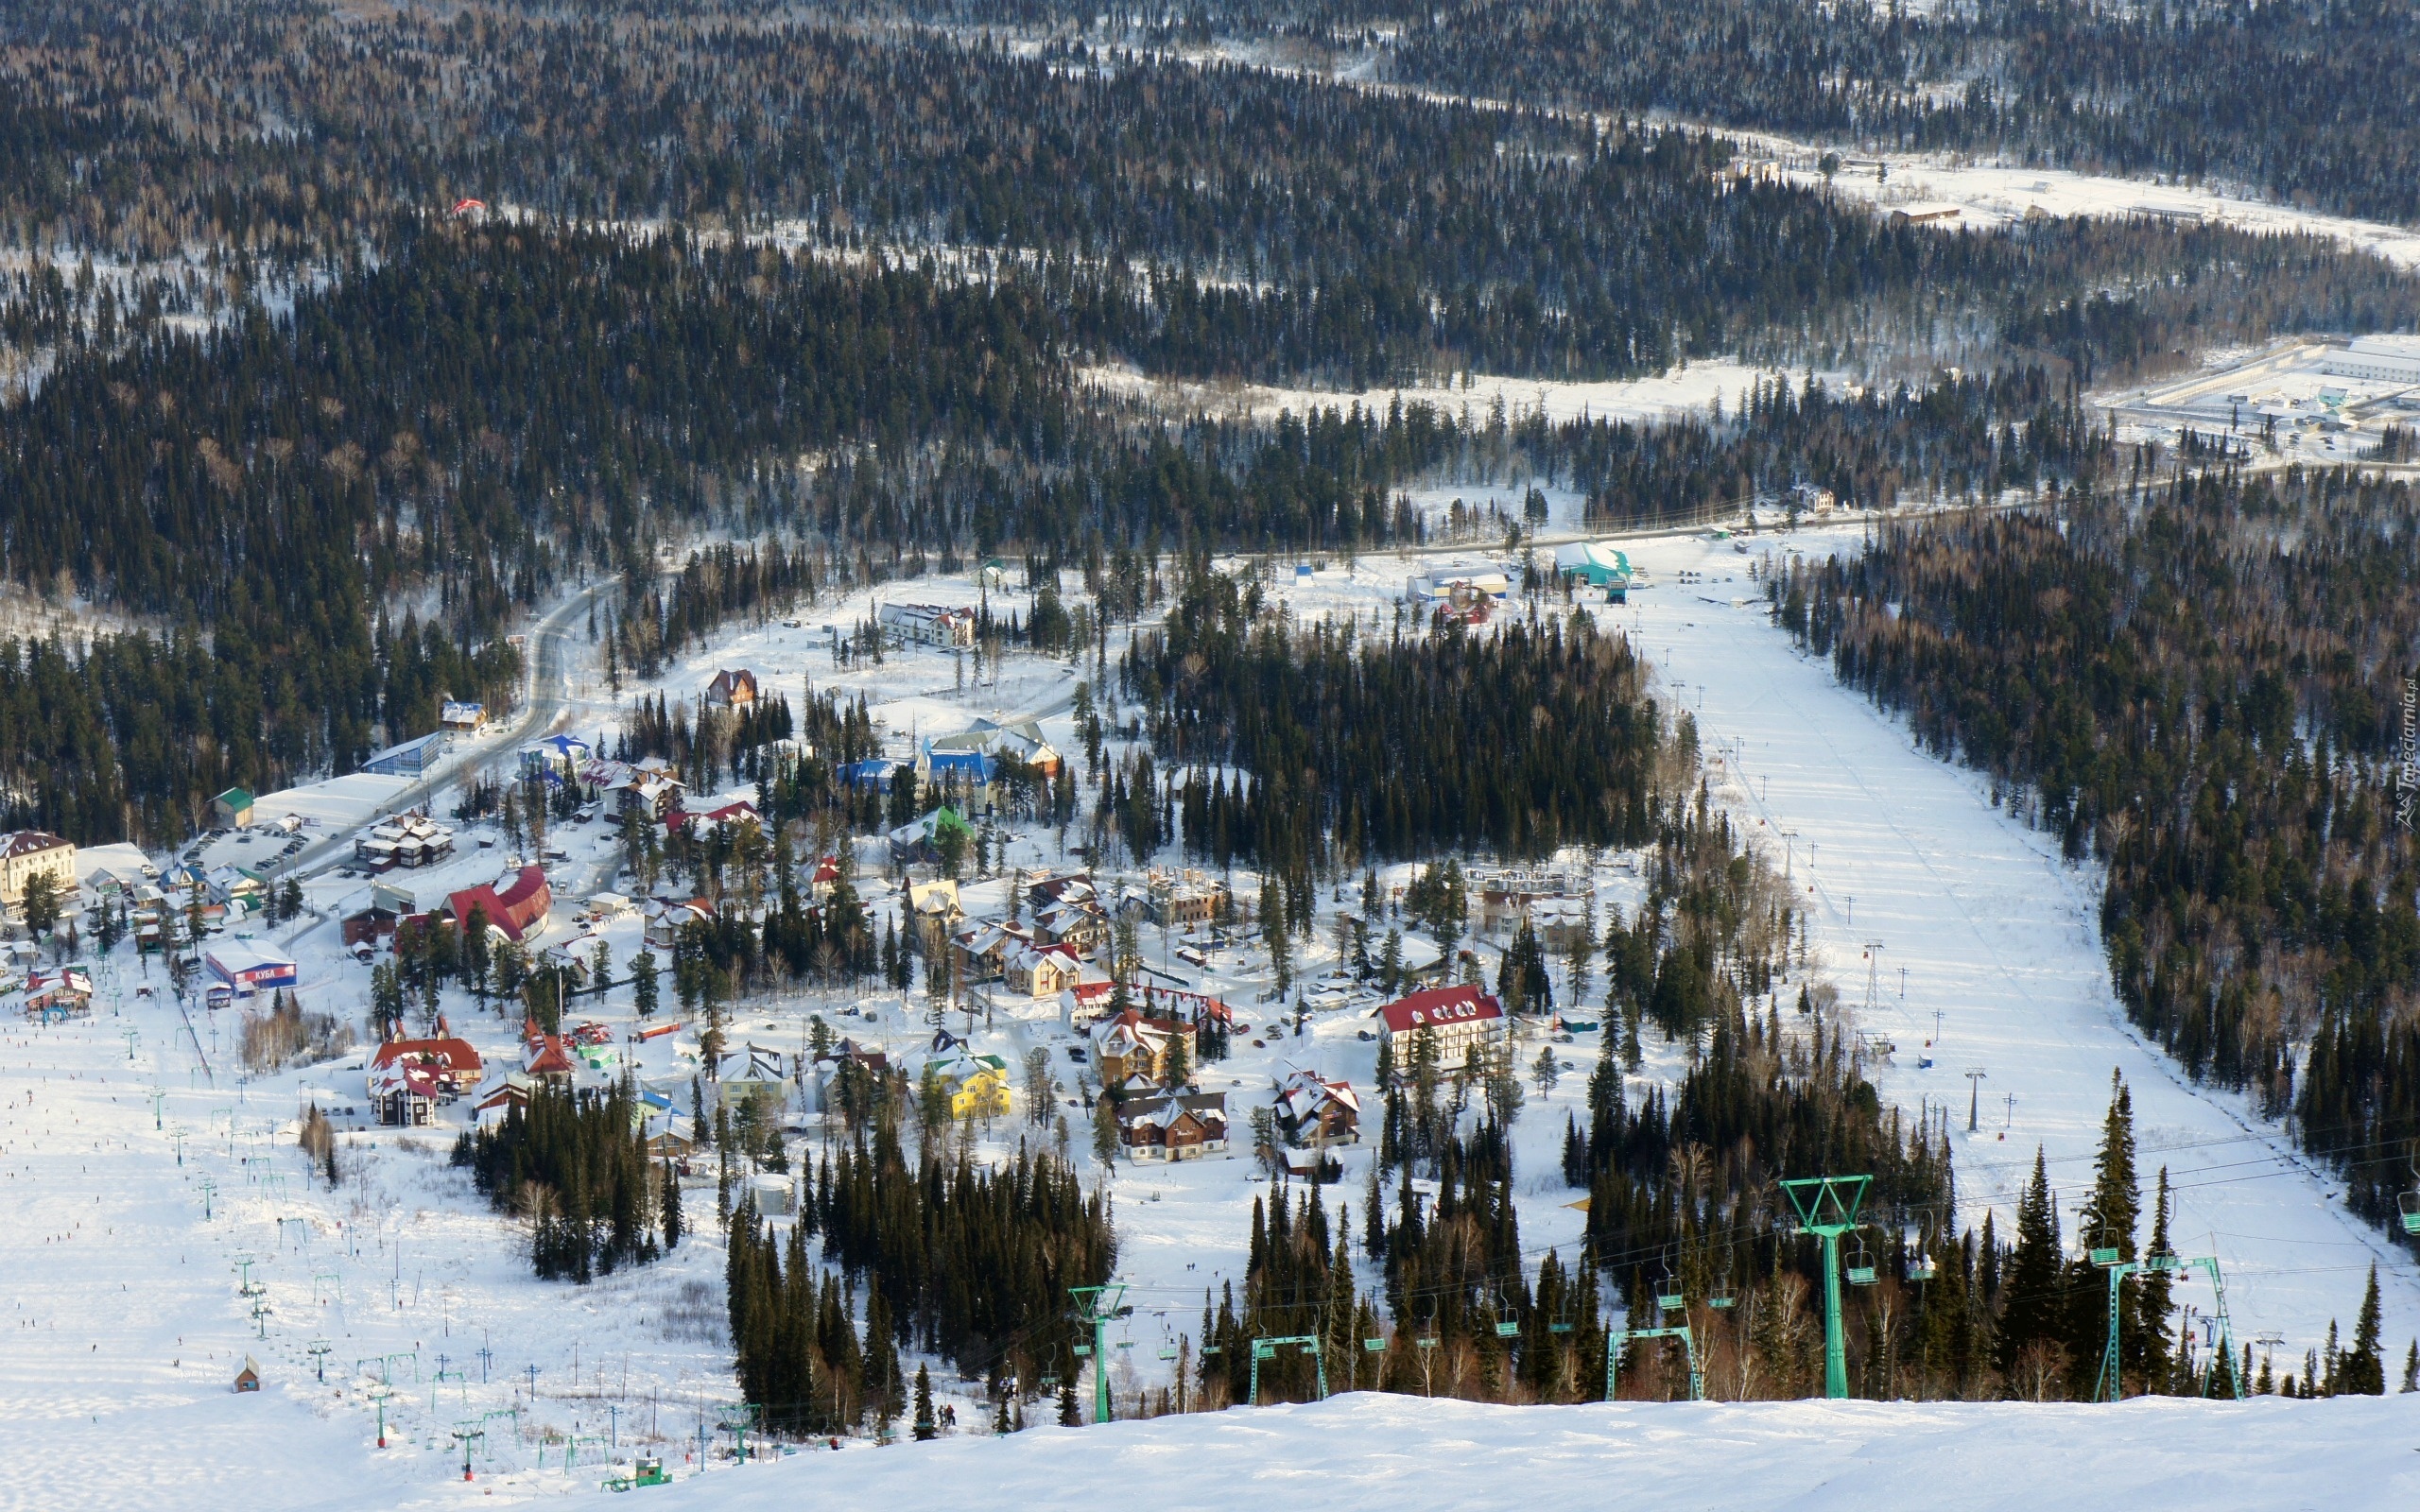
2002	938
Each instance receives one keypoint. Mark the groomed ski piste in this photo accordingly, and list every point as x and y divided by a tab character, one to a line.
128	1324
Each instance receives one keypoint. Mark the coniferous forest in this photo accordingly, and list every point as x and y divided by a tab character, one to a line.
575	1167
2301	101
395	326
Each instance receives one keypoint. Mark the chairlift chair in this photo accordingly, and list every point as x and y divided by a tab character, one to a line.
1669	1297
1860	1269
1722	1296
2409	1202
1922	1268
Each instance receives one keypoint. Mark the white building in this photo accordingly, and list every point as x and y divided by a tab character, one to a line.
2385	359
928	624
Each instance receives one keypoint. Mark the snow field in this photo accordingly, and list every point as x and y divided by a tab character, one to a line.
1368	1450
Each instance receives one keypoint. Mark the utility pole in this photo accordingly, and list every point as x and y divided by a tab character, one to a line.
1974	1094
1096	1308
1826	1208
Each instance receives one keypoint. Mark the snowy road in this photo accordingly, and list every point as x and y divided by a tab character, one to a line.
2000	938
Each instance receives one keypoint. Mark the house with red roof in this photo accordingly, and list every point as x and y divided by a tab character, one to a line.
545	1057
516	904
404	1095
1459	1021
1312	1110
735	812
456	1065
733	688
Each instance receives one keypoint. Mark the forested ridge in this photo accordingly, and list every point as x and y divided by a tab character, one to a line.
1288	225
2198	683
2305	102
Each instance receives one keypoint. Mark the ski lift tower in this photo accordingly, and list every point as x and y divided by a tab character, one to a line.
2111	1386
1099	1306
1826	1207
1873	979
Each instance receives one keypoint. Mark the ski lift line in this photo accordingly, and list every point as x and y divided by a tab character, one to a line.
1742	1232
2280	1166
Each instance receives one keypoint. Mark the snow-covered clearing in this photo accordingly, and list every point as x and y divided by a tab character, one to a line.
1992	194
1689	388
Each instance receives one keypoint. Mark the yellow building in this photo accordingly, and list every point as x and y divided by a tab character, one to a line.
977	1086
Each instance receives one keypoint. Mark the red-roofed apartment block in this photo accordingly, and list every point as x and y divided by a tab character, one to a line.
1456	1020
518	910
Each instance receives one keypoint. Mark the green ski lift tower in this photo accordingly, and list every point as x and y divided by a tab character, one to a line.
2111	1385
1826	1207
1096	1308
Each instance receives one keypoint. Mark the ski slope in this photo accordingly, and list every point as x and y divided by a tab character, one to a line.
1994	931
2002	938
1409	1453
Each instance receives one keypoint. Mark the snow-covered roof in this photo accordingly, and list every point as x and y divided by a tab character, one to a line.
1441	1005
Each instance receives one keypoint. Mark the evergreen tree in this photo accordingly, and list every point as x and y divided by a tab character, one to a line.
2151	1348
1105	1130
1273	928
926	1430
1069	1415
2362	1372
671	1213
2029	1313
644	989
